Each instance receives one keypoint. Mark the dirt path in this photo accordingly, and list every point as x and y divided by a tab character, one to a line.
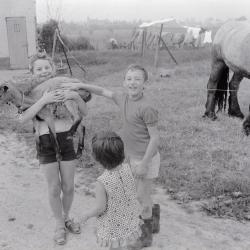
27	224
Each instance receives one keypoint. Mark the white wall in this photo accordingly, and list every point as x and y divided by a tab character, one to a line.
18	8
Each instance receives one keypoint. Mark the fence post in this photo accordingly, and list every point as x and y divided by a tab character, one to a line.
157	48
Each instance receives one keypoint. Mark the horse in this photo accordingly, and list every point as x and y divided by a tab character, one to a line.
230	50
23	96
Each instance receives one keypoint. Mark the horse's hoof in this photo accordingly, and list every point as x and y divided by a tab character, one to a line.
246	127
211	116
246	131
237	115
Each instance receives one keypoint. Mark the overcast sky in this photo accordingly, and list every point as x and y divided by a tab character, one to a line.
79	10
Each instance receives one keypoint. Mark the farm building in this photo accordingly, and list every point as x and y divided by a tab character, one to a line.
18	32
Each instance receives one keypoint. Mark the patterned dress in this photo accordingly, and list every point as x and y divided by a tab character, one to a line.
119	224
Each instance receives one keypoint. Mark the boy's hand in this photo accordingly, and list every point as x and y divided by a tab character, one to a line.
84	219
141	171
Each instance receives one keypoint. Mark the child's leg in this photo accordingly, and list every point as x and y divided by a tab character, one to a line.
67	172
51	171
144	189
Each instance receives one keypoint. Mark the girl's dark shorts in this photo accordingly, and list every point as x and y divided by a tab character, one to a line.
46	152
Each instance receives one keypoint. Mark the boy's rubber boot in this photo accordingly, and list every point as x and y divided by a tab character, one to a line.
156	218
146	238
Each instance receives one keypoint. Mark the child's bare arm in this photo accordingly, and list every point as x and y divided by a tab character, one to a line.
48	97
100	203
153	143
91	88
150	151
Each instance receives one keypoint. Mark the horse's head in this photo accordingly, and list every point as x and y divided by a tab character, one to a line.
9	94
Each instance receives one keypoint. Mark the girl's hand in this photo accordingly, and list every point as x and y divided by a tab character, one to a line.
51	97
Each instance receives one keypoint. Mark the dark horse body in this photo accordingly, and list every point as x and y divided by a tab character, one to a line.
230	50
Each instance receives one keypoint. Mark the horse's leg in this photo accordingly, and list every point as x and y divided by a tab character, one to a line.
246	124
234	107
73	109
214	77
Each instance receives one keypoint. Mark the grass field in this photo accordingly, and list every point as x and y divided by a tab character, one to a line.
201	159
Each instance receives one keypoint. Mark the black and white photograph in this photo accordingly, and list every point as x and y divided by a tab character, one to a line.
124	125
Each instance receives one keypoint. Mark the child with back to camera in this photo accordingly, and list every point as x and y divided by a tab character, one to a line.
141	140
117	208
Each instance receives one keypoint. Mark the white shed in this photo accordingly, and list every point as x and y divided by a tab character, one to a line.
18	32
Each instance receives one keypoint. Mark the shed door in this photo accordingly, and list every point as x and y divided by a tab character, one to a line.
17	41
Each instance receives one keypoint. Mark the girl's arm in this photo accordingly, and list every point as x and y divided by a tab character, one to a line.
150	151
100	203
48	97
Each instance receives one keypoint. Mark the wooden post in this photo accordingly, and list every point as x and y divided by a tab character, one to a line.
158	47
166	47
144	40
65	47
64	51
54	44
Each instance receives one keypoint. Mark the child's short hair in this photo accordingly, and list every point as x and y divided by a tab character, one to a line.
108	149
138	67
42	56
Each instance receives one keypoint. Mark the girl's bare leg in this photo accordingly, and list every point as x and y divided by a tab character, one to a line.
51	171
67	171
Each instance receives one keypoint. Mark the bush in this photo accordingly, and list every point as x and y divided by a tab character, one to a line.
46	35
78	43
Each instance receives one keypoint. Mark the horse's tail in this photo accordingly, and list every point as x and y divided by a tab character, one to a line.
222	87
